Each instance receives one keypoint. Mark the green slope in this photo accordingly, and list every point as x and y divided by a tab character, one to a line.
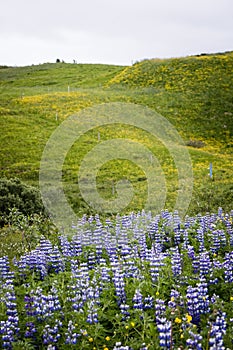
48	77
193	93
200	88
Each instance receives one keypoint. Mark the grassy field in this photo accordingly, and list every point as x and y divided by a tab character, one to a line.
193	93
133	281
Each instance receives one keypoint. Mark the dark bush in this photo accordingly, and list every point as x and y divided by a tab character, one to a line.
195	143
15	194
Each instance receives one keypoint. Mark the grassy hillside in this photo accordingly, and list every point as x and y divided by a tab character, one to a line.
193	93
200	88
50	77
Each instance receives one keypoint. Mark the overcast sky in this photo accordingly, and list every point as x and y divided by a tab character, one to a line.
112	31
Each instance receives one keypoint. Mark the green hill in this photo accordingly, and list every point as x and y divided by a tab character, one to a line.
193	93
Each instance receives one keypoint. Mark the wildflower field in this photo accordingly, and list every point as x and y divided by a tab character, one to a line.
136	282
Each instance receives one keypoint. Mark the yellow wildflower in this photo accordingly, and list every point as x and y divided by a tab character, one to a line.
189	318
132	324
107	338
91	340
178	320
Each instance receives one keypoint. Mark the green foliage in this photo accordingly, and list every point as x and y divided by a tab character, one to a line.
23	233
15	194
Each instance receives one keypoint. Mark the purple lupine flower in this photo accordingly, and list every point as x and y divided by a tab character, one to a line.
105	273
175	296
228	267
8	282
217	331
200	238
98	240
142	247
214	299
82	290
160	309
137	300
166	217
92	316
203	296
205	264
118	346
4	267
176	220
155	235
148	302
45	247
76	245
125	311
130	268
119	284
217	265
193	306
36	261
51	302
191	252
8	334
229	230
91	260
196	264
71	335
66	247
110	245
76	298
186	244
155	261
220	212
194	341
218	240
165	333
29	299
51	334
56	262
30	330
177	235
40	305
176	261
10	328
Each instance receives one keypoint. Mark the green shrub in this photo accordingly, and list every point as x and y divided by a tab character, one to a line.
15	194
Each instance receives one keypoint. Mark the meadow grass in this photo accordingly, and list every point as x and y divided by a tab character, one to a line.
193	93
